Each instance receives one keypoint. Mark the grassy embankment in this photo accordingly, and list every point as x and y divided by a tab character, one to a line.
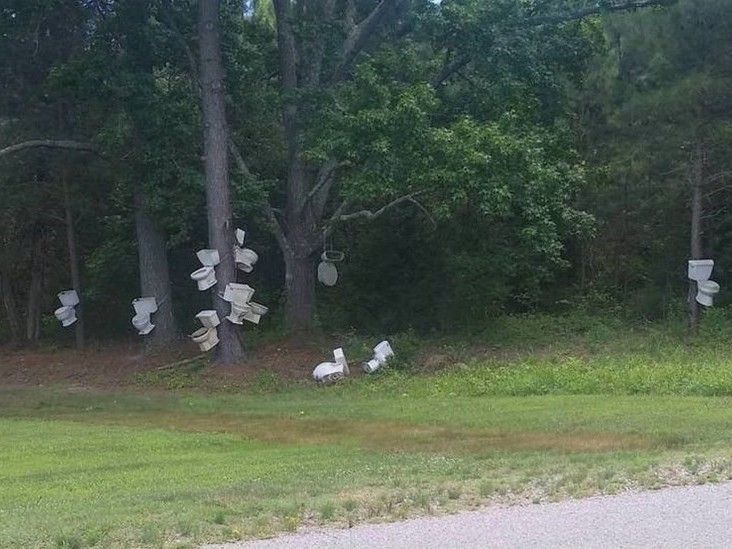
536	410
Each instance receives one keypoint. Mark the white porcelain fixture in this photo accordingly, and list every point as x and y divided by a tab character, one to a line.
205	277
145	305
241	293
205	338
245	259
700	269
255	313
382	353
240	235
706	290
327	273
340	358
66	314
328	372
142	323
209	318
68	298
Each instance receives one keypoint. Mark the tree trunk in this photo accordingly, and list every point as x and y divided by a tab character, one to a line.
300	292
696	231
11	309
35	290
215	131
154	273
73	259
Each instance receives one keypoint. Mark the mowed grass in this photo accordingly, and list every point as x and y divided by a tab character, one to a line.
80	468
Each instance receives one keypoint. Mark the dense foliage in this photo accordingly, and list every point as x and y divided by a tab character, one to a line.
470	157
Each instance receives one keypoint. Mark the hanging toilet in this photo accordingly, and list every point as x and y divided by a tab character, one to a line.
238	310
66	315
700	270
245	259
145	305
142	323
240	235
241	293
68	298
209	318
205	338
205	277
327	271
255	313
706	290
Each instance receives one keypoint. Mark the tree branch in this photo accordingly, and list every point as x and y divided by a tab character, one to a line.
356	39
370	215
52	144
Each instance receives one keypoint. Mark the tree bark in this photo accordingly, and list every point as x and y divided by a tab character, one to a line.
300	288
73	258
35	290
11	309
220	229
154	273
696	231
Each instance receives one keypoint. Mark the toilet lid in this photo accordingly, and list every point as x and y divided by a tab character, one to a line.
327	273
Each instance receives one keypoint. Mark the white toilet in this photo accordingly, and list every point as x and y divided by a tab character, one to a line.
209	318
328	372
142	323
68	298
241	293
245	259
238	310
205	277
706	290
205	338
340	358
66	314
255	313
382	353
240	235
700	270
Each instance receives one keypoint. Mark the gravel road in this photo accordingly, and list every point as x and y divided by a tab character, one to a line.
697	516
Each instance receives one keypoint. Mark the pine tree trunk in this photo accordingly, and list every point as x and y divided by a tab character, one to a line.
696	232
300	293
154	274
73	259
11	309
220	229
35	290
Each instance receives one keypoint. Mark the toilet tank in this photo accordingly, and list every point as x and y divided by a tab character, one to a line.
69	298
700	269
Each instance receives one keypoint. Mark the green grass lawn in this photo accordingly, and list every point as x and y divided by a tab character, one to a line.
85	468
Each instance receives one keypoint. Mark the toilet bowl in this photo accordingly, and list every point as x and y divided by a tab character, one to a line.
141	322
205	277
209	318
332	256
245	259
706	290
145	305
205	338
328	372
382	353
238	310
69	298
66	314
255	313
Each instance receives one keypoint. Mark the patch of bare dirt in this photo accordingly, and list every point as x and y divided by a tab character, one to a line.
125	364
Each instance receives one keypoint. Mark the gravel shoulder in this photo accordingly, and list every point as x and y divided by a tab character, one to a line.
696	516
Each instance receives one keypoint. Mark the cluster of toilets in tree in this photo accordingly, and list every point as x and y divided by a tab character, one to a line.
239	296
